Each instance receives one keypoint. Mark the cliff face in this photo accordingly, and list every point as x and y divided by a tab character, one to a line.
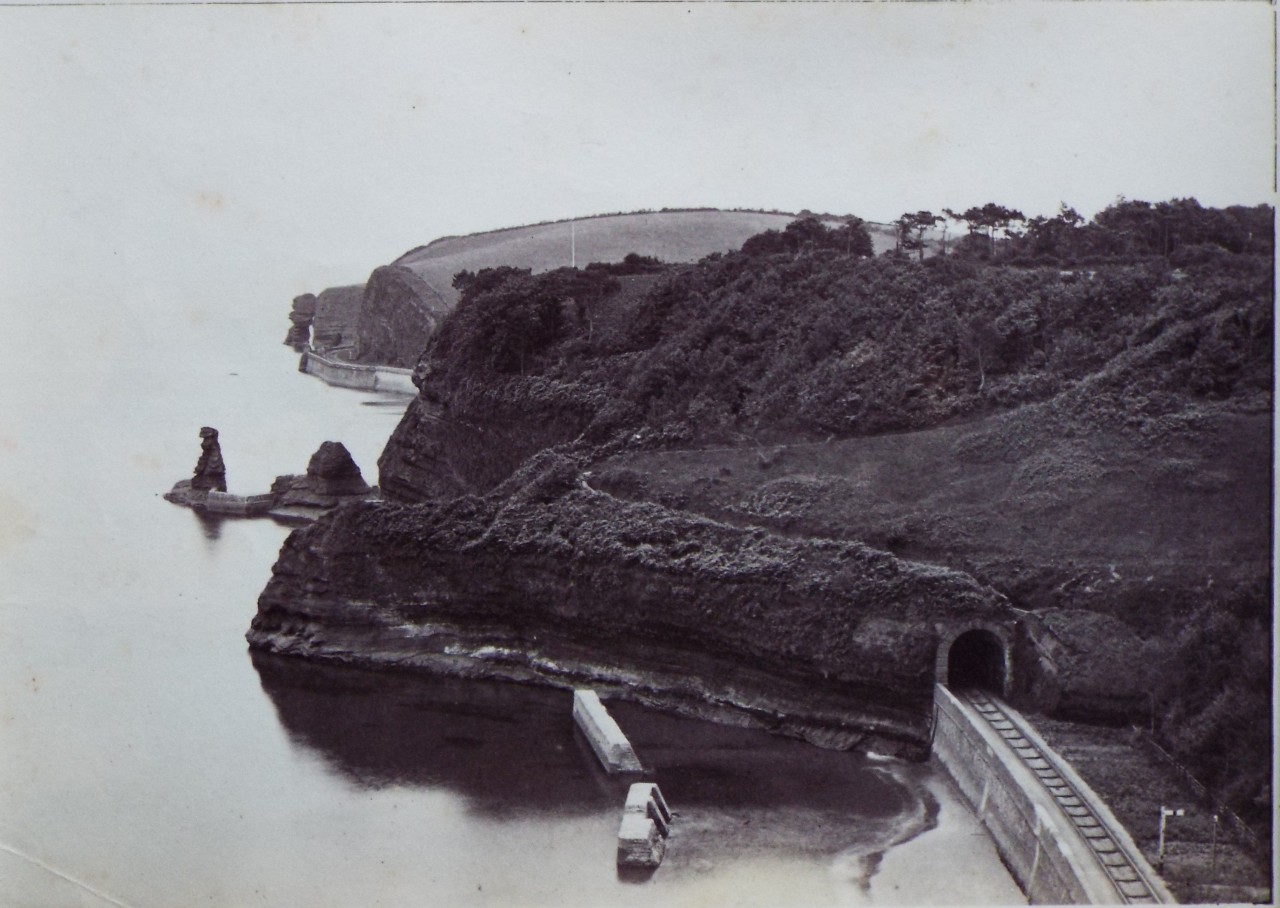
559	583
336	313
397	315
451	444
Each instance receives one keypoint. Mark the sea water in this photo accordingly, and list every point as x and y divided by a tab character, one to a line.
147	758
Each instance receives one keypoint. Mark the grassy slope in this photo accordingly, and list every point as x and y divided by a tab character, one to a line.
1104	501
673	236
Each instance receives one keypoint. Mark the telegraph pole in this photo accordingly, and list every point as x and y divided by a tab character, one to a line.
1213	868
573	244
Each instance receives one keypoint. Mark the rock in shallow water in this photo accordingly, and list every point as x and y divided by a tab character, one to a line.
304	310
331	478
210	472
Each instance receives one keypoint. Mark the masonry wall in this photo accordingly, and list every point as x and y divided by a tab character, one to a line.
357	375
1041	851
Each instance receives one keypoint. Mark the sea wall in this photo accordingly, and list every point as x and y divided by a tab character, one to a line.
357	375
1035	840
242	505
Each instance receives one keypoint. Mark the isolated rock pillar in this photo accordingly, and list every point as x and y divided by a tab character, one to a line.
211	472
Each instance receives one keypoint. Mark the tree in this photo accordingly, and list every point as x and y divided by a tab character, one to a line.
852	237
504	316
1049	236
486	279
987	220
524	315
809	233
911	227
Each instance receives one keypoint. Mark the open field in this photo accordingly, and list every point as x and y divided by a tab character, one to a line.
672	236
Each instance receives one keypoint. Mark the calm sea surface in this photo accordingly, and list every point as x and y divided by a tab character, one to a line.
148	759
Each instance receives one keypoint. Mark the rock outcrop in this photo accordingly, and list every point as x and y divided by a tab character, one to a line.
446	446
337	313
331	478
549	581
304	310
210	471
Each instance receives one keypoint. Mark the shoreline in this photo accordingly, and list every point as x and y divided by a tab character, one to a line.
736	702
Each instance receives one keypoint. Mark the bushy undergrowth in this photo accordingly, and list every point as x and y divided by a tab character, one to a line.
1217	702
796	337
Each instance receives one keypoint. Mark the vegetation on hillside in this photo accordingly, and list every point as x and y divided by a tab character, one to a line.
1134	320
802	333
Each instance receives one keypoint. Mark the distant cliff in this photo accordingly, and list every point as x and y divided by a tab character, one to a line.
388	319
398	311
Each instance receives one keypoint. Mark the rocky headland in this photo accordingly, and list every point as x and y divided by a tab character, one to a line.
772	486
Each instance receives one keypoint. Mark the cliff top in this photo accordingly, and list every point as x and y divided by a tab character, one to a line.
673	236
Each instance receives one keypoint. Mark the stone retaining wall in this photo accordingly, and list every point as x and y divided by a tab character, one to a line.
357	375
1040	848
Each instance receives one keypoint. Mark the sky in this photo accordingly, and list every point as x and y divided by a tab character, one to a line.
166	148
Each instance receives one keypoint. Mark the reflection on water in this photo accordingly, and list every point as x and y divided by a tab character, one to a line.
210	524
702	762
507	748
512	750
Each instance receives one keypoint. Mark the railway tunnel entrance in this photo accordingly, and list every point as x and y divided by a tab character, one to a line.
976	659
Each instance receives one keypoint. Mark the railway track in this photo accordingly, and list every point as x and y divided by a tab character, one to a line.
1127	875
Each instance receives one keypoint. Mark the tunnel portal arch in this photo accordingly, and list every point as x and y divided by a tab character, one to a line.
975	657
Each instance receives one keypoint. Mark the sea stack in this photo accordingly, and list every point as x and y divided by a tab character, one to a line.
304	310
210	473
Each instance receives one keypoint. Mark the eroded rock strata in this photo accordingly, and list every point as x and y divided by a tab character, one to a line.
558	583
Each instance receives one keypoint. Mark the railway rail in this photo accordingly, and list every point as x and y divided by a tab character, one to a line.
1128	874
